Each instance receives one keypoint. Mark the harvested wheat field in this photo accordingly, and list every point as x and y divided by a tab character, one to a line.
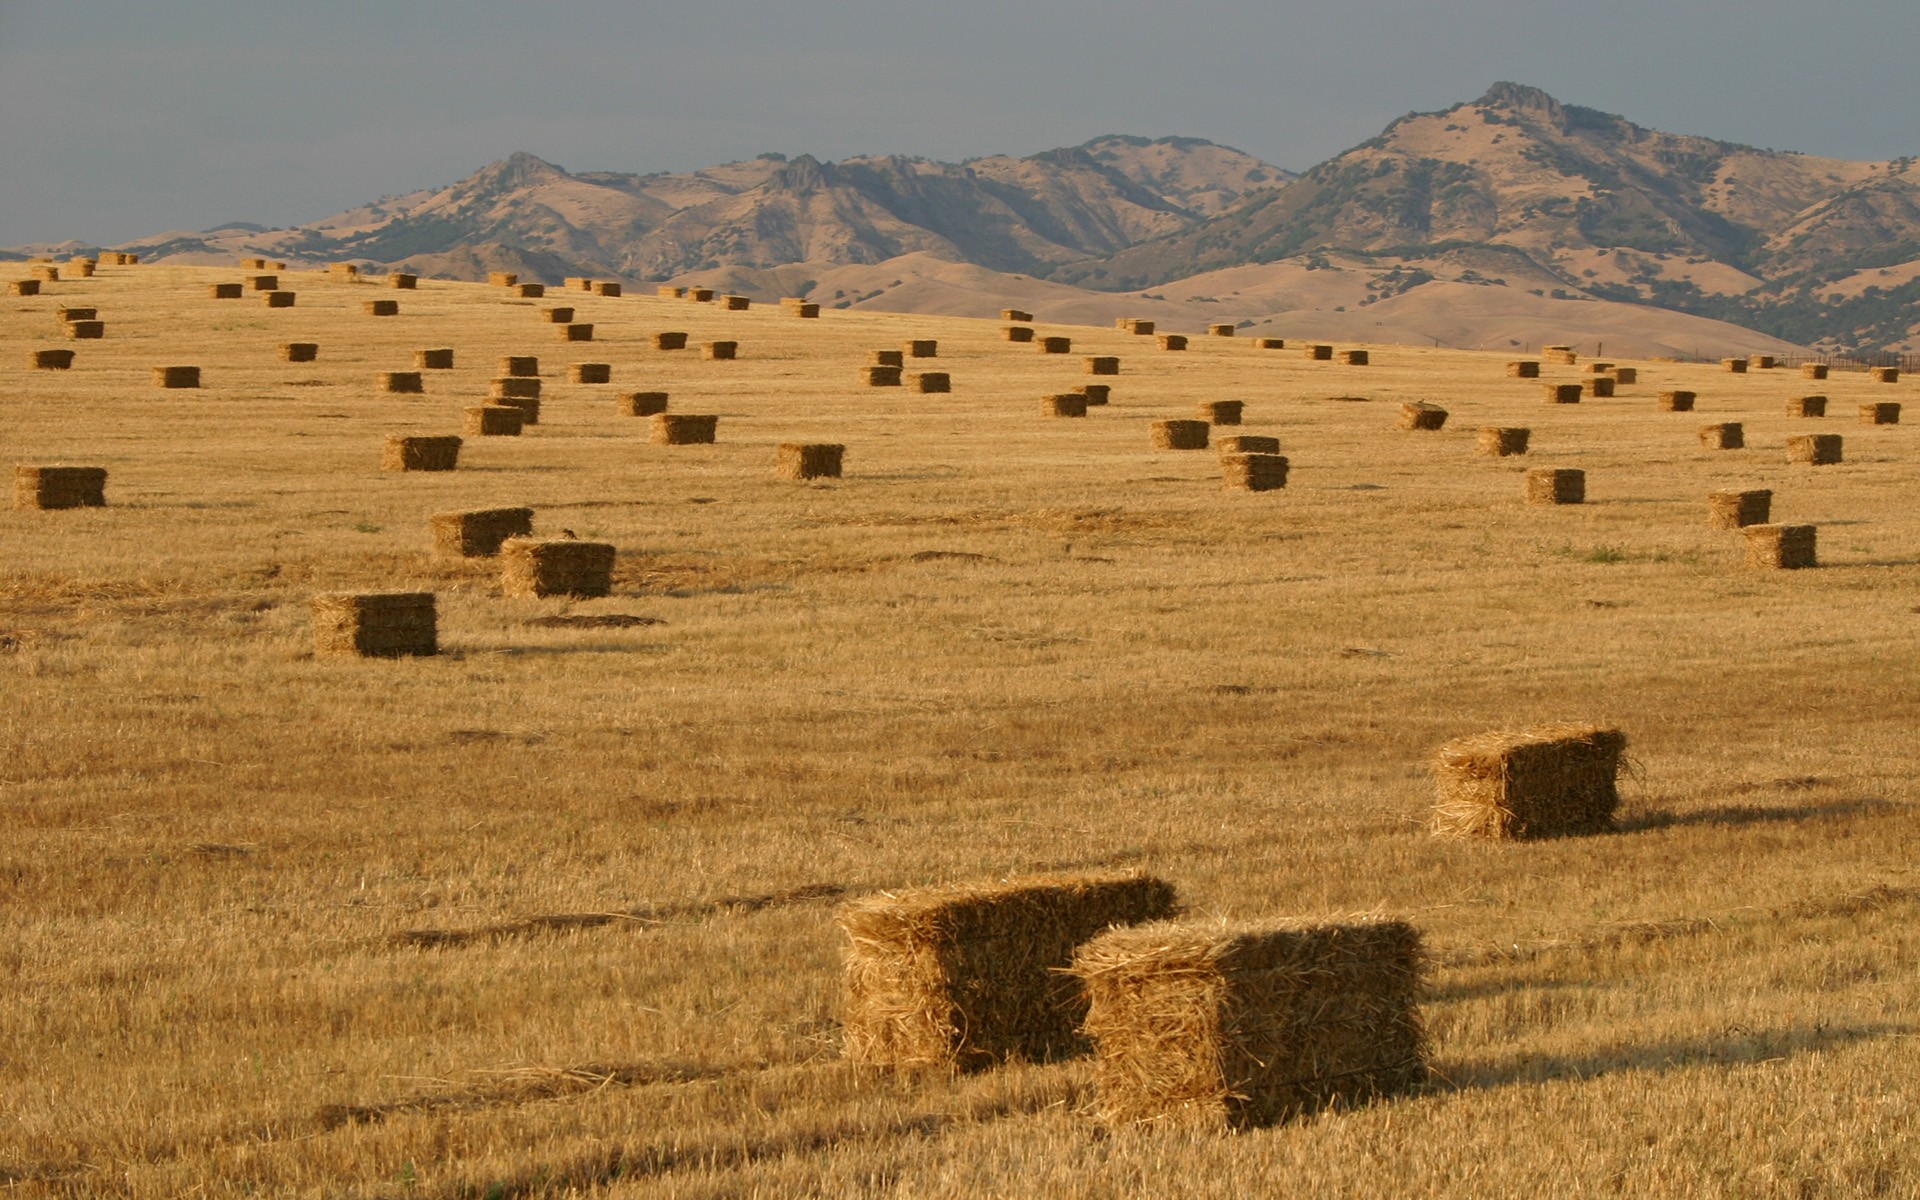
554	910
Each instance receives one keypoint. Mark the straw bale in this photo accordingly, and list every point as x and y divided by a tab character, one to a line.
1317	352
440	359
1180	435
1781	547
520	365
887	358
263	283
1807	406
226	291
515	387
591	373
24	287
1056	345
402	383
1096	393
1249	443
1726	435
1813	370
921	348
1886	412
51	360
1138	326
700	295
672	340
80	268
1501	441
1418	414
1559	355
416	453
1222	330
1015	314
643	404
59	487
684	429
1735	366
1017	333
1524	369
493	420
1564	393
86	330
883	376
1738	509
381	308
972	975
502	278
1817	449
808	311
345	270
583	283
375	625
529	407
576	333
253	264
1599	367
403	281
1173	341
606	288
720	351
1231	1026
1220	412
1626	376
809	460
1556	485
1600	387
1547	781
177	377
1270	343
278	266
530	291
70	312
478	533
1064	404
535	567
1103	364
736	303
1676	401
562	315
1764	362
1253	472
665	291
46	274
1355	358
932	381
279	299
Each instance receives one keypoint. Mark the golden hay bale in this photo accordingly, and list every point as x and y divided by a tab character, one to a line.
59	487
1764	362
1676	401
86	330
1056	345
577	283
300	351
1807	406
969	976
1547	781
1600	387
736	303
226	291
1418	414
1173	341
1270	343
51	360
1813	370
1216	1025
1317	352
1625	376
665	291
523	366
404	452
1738	509
479	533
720	351
493	420
515	387
375	625
606	289
439	359
1500	441
1222	330
253	264
674	340
1253	472
809	460
1726	435
1103	364
344	270
502	278
643	404
1015	314
1249	443
381	308
70	312
700	295
1096	393
80	268
1220	412
46	274
576	333
277	266
529	407
1558	356
1598	367
24	287
1816	449
1781	547
263	283
808	311
529	291
684	429
403	281
1355	358
176	377
558	316
1064	404
1556	485
1736	366
1135	325
1017	333
535	567
931	382
921	348
402	383
591	373
887	358
1564	393
279	299
1886	412
1524	369
883	376
1180	435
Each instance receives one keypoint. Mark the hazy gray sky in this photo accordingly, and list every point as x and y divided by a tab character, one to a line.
119	119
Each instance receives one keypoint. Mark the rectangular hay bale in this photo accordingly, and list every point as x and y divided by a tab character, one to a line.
684	429
1064	404
809	460
59	487
1724	435
1253	472
643	404
537	567
479	532
1807	406
1738	509
1546	781
440	359
1556	485
295	352
1221	412
1180	435
1500	441
375	625
1885	412
1418	414
1782	547
493	420
404	452
591	372
1249	443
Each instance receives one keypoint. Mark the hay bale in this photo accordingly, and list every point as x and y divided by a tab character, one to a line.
1676	401
1222	330
1738	509
1418	414
665	291
1726	435
887	358
809	460
606	288
1813	370
1815	449
576	333
59	487
1249	443
1597	367
502	278
402	383
883	376
1547	781
176	377
921	348
1270	343
279	299
1781	547
381	308
1017	333
375	625
1559	355
520	366
1564	393
253	264
700	295
720	351
591	373
535	567
515	387
1218	1025
1317	352
736	303
1253	472
969	976
1523	369
1354	358
1807	406
529	407
1500	441
263	283
45	273
1138	326
24	287
1626	376
931	382
807	311
80	268
1173	341
1103	364
1556	485
1886	412
86	330
1221	412
478	533
643	404
300	352
530	291
403	281
1096	393
1763	362
226	291
1015	314
405	452
1734	366
1600	387
558	316
1180	435
493	420
674	340
51	360
1064	404
440	359
683	429
344	270
1056	345
71	313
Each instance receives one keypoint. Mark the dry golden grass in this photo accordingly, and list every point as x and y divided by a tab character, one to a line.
551	913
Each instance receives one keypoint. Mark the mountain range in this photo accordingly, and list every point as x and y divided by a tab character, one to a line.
1510	220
